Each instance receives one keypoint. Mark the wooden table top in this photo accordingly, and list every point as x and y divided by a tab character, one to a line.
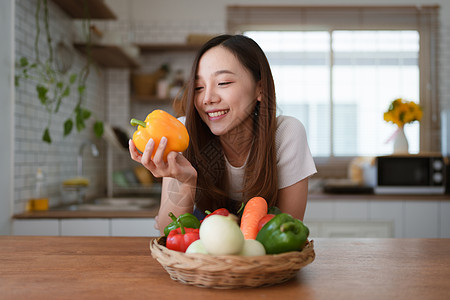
122	268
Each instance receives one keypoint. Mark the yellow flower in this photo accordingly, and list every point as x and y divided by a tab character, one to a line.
401	112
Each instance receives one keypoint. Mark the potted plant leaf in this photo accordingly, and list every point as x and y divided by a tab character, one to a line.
54	84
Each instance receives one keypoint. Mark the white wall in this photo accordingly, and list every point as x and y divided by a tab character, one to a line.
173	16
153	21
156	10
6	112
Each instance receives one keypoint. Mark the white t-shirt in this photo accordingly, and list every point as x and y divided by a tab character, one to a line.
294	159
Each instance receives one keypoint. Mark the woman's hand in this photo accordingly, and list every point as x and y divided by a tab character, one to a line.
177	166
179	182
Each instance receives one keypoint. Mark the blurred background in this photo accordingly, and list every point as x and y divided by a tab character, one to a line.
337	67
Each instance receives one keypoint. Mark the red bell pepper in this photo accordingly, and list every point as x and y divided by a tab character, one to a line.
180	238
220	212
264	220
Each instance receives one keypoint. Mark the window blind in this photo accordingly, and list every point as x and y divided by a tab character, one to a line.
424	19
330	17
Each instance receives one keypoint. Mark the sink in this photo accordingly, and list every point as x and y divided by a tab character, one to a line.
112	204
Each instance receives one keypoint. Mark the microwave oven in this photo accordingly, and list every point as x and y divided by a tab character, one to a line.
411	174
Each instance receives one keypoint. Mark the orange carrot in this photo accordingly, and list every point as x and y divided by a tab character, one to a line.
254	210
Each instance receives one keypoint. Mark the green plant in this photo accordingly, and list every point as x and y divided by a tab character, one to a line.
53	85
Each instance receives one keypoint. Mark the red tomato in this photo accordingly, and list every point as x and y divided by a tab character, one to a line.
264	220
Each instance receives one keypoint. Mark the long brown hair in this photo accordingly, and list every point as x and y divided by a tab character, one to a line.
205	152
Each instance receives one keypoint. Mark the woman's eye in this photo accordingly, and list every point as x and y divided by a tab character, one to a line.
224	83
198	88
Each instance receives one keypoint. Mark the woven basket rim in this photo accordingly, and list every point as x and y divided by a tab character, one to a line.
230	271
160	242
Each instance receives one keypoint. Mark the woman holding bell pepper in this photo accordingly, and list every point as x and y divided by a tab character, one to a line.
239	148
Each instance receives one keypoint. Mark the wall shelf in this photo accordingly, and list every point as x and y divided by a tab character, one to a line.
168	47
109	56
75	9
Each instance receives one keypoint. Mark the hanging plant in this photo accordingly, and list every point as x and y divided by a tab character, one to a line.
54	84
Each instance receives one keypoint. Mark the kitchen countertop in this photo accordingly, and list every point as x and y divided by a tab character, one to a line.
77	214
65	212
122	268
151	213
328	196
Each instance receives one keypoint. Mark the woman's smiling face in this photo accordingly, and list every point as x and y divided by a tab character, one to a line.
225	92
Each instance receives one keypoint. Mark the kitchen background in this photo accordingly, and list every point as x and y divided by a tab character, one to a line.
109	93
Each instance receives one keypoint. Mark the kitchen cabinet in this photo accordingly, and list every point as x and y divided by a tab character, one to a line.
48	227
86	227
133	227
422	219
367	216
444	222
351	229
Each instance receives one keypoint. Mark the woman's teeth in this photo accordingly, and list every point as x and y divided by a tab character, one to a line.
217	113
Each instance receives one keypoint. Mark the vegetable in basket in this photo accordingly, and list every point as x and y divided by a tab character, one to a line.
160	124
263	221
283	233
188	220
196	247
274	210
181	238
254	210
252	248
221	235
219	211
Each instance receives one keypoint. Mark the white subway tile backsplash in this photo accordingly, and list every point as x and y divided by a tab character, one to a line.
31	117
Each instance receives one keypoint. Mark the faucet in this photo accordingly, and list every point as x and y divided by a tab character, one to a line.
94	151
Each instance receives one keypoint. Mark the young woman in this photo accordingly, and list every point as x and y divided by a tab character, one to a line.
238	147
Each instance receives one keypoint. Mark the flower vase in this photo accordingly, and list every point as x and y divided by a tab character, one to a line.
400	142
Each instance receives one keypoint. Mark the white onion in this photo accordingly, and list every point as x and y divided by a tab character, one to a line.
252	248
196	247
221	235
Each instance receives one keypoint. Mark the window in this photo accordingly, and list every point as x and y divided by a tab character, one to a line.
339	83
338	68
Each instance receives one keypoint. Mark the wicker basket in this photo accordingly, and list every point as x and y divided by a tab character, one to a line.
230	271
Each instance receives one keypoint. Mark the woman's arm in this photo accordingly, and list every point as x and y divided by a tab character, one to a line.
179	179
292	199
176	197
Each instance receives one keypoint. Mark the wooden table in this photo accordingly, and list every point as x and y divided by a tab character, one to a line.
122	268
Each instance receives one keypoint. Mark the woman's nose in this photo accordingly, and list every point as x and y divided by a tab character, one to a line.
210	96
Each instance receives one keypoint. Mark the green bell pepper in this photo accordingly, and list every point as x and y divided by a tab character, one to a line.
188	220
283	234
274	210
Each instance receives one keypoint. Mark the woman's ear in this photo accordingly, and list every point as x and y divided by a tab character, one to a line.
258	91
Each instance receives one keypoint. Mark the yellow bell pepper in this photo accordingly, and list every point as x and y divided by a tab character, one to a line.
158	124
